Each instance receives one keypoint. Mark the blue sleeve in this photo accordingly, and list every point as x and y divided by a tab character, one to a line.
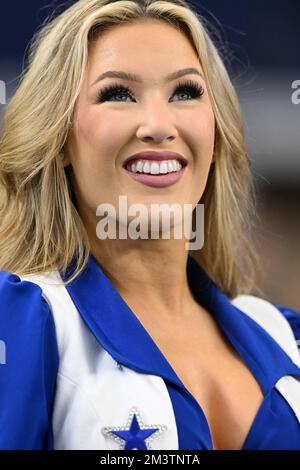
293	317
28	365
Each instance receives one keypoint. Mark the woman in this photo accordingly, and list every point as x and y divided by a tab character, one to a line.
127	342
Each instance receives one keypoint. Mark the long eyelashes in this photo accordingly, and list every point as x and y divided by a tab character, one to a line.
187	87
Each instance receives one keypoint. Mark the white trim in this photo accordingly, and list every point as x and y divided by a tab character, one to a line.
92	393
275	323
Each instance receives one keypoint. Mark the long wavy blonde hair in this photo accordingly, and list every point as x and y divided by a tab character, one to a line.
40	228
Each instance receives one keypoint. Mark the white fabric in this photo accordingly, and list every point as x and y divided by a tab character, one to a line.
274	322
92	392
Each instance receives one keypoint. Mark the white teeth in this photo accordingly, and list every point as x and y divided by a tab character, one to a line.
155	168
138	167
170	166
145	168
163	167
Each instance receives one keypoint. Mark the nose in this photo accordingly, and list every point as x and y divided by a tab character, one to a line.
157	124
155	137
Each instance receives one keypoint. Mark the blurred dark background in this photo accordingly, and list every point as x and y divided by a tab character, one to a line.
260	43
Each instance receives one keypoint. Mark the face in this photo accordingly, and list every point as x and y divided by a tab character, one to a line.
153	114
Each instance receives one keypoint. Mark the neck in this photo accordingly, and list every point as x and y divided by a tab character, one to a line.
150	275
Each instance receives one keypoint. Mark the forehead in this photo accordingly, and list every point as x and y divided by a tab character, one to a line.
150	48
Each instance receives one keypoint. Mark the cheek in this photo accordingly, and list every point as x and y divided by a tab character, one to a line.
204	125
93	156
93	134
98	137
202	131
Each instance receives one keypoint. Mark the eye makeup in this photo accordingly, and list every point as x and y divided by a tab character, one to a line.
189	87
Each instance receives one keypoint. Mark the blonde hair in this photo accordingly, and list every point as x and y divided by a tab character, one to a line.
40	228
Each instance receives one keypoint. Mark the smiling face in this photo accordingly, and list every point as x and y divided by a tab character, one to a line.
154	114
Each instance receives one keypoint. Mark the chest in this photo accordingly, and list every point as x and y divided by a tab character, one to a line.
216	376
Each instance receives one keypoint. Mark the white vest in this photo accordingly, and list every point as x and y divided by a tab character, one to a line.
94	394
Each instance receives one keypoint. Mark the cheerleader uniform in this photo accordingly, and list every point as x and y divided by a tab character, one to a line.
79	371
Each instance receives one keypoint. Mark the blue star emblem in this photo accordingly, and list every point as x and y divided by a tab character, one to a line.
134	434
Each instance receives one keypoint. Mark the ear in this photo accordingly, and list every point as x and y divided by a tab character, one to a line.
66	161
64	155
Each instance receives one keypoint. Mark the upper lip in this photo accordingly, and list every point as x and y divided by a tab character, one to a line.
154	155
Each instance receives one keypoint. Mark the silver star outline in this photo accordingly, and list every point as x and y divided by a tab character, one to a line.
108	430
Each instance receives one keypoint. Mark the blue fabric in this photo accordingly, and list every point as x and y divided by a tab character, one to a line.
120	332
28	379
293	318
28	376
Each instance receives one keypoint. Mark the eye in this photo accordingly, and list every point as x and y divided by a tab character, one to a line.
189	88
112	91
184	88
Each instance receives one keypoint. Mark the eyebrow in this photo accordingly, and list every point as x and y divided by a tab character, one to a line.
136	78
